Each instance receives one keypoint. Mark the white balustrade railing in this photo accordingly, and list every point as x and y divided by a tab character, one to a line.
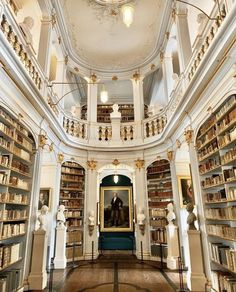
75	127
155	125
127	131
104	132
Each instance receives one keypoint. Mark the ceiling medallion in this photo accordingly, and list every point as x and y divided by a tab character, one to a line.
114	8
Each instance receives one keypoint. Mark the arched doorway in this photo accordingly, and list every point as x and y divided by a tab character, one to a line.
116	230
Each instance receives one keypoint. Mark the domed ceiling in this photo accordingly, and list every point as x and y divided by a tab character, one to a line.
100	41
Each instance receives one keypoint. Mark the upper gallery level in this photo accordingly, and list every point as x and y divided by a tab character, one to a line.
66	55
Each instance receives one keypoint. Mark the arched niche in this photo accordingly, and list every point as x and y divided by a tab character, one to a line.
72	188
159	187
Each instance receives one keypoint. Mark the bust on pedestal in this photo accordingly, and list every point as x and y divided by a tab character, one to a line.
141	220
91	222
172	239
115	122
60	253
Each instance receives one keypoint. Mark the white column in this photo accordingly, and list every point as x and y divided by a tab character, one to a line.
172	246
91	205
167	67
115	125
200	207
183	38
138	99
44	51
92	103
60	253
141	203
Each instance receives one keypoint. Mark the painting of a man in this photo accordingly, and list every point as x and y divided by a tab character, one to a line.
116	209
44	198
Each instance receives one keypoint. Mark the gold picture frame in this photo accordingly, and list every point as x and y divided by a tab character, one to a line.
186	192
119	218
44	198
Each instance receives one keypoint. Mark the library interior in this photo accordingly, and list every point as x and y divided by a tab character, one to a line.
117	145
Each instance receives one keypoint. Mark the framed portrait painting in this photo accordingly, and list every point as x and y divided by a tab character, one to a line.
185	190
44	198
116	209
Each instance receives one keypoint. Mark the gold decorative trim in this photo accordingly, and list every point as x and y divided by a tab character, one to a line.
188	136
136	76
92	164
178	143
170	155
60	157
115	162
139	163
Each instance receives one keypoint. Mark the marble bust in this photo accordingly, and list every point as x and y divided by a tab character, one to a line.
171	215
141	217
42	218
91	218
60	215
191	217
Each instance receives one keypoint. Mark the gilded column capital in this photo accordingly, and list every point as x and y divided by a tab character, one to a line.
139	163
170	155
92	164
188	136
60	157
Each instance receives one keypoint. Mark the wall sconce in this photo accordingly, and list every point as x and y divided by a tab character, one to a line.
43	142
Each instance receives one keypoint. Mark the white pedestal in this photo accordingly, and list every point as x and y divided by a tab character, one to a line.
196	279
172	246
60	254
115	125
38	276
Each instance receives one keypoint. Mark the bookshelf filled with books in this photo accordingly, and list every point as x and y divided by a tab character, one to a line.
104	111
16	167
216	147
72	197
159	189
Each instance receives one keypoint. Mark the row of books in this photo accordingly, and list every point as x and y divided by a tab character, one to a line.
208	150
74	214
70	194
4	176
158	204
229	155
21	153
157	212
223	255
224	108
72	185
21	167
9	230
13	214
160	194
20	183
25	143
72	170
205	138
74	223
74	236
72	177
207	125
226	282
209	165
5	159
227	120
159	168
7	130
222	230
158	222
9	254
158	235
5	143
229	174
10	280
215	179
72	203
159	184
13	198
227	138
228	213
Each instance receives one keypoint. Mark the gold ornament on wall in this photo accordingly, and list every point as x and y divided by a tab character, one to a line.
43	142
92	164
93	78
114	78
188	136
139	163
60	157
136	76
115	162
170	155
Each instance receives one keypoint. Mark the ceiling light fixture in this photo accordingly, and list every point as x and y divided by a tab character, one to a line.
104	95
116	178
116	7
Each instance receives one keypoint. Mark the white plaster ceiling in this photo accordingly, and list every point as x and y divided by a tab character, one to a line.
102	42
